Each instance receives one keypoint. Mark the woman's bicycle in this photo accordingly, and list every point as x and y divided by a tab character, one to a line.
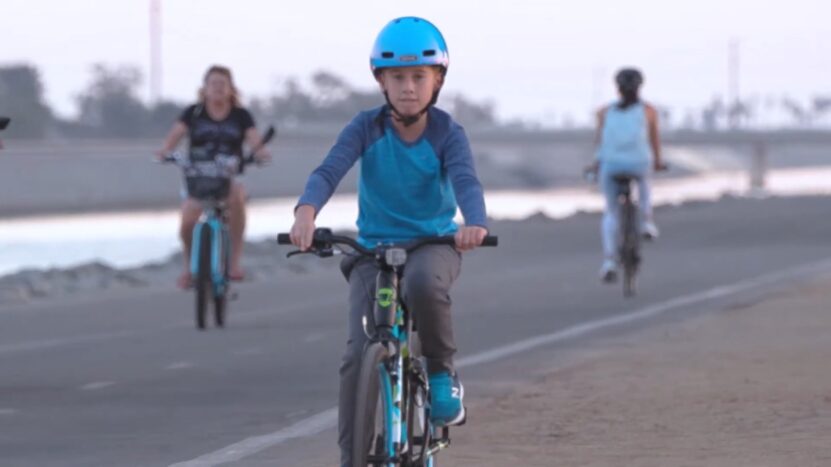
629	228
211	247
392	406
629	239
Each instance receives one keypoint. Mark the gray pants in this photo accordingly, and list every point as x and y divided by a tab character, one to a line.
425	289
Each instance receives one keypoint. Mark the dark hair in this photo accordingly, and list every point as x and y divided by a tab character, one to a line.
629	81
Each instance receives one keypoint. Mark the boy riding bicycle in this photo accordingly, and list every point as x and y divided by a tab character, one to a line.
416	165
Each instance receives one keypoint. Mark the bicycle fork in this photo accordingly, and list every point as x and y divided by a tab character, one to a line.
388	321
219	247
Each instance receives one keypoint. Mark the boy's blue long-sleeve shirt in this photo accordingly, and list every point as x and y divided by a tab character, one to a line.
405	190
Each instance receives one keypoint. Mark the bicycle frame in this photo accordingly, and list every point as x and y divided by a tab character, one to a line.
392	329
213	218
629	234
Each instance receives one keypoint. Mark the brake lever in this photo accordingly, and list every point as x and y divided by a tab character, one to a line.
299	252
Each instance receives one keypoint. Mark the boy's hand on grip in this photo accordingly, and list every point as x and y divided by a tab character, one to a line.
470	237
302	232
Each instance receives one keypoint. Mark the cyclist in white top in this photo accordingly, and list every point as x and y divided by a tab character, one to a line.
627	143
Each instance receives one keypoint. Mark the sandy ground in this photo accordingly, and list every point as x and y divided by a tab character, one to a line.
747	387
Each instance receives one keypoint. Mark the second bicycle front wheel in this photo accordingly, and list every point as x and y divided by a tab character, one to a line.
371	443
630	249
221	299
220	304
204	285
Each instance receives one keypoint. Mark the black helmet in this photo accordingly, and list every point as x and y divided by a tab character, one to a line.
629	79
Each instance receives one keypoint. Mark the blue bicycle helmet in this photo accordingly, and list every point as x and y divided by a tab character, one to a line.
409	41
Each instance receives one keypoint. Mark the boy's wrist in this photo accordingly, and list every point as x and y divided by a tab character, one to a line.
305	212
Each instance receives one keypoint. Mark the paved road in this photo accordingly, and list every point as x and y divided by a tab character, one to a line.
124	379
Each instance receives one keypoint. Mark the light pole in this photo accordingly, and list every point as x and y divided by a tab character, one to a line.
733	98
155	51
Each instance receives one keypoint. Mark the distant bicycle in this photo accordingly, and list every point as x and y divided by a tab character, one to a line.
392	406
629	238
210	182
629	228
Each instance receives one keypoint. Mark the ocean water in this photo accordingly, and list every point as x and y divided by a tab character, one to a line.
128	239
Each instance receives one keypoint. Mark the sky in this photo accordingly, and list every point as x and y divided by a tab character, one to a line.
547	61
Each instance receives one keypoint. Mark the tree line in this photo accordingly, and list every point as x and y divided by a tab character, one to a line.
110	105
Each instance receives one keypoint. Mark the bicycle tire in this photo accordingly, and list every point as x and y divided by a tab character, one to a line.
221	300
204	287
419	433
417	421
365	439
630	256
220	304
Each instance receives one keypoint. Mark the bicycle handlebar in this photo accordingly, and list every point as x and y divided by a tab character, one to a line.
176	157
324	238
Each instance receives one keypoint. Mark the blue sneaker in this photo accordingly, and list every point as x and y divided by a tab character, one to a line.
446	394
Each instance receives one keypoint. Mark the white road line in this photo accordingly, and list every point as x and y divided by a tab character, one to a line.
61	342
648	312
97	385
327	419
307	427
8	411
296	413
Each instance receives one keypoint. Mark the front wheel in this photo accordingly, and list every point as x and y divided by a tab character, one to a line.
371	443
204	285
221	299
220	303
630	247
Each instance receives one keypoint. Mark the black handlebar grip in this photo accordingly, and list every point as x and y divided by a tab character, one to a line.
490	240
268	135
284	239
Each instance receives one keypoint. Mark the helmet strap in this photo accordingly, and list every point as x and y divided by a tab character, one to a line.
408	120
